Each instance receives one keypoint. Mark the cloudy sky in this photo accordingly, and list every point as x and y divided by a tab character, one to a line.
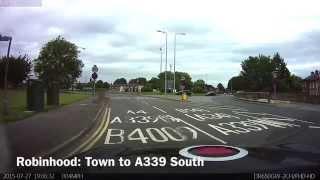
120	37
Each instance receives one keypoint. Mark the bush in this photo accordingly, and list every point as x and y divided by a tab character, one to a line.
147	88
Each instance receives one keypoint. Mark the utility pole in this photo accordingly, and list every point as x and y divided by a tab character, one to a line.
160	59
165	73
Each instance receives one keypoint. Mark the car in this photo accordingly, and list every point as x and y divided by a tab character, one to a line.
210	93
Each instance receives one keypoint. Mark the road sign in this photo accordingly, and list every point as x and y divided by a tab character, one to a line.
94	76
95	69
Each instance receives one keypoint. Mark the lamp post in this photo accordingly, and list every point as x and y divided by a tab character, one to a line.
165	73
160	59
161	49
5	95
174	60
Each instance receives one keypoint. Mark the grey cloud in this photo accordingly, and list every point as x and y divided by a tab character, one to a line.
30	27
306	47
106	58
188	27
121	39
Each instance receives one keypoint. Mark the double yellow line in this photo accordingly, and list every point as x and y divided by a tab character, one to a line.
92	140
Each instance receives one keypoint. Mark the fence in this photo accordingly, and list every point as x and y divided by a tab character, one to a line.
294	97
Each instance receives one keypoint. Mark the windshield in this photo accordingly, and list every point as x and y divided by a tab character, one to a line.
107	88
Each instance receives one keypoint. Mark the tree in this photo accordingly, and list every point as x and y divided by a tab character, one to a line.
283	73
79	86
199	86
179	75
147	88
155	83
141	80
220	87
99	84
120	81
257	73
58	64
295	83
238	83
18	69
106	85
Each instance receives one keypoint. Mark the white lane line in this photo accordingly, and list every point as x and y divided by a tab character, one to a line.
192	117
91	137
159	109
101	132
315	127
213	137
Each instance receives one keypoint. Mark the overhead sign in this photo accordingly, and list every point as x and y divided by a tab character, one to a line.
95	69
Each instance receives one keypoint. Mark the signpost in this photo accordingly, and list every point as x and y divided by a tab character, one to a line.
94	76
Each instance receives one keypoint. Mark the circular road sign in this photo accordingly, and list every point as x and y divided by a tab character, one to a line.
94	76
95	69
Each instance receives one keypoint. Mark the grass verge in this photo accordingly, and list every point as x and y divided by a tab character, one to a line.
18	102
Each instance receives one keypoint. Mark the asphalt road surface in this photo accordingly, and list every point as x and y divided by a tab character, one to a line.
145	122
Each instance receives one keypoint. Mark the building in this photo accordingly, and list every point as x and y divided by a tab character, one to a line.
119	87
311	84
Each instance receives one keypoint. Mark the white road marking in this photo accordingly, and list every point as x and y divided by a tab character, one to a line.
129	111
314	127
193	117
194	132
159	109
116	119
264	114
141	111
213	137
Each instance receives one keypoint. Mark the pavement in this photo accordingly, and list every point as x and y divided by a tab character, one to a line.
48	132
142	122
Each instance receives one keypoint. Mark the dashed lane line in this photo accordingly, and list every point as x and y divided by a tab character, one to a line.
314	127
159	109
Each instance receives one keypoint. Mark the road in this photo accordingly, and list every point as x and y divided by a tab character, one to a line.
145	122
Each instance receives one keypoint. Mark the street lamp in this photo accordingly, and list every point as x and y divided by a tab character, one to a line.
174	60
165	73
160	59
5	98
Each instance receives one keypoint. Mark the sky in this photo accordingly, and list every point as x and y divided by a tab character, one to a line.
121	38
